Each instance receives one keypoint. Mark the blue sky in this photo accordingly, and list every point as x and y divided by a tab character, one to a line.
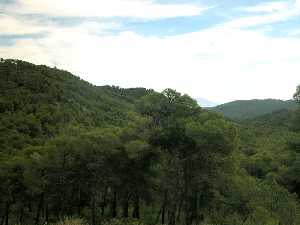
218	50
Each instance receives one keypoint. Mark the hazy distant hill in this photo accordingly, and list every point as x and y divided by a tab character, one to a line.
246	109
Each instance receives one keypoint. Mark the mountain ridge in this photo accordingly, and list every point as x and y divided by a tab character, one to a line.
247	109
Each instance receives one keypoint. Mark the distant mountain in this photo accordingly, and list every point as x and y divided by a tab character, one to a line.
205	103
247	109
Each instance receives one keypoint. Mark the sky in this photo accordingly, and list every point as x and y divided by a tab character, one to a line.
220	50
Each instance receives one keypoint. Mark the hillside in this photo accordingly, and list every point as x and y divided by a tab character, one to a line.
36	102
109	155
247	109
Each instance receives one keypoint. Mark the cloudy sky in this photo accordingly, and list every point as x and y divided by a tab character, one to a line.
221	50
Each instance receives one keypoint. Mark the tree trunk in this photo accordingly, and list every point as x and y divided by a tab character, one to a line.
158	215
178	218
126	205
163	213
79	203
195	209
114	205
136	207
2	220
6	213
171	217
93	209
40	205
63	186
103	205
164	206
47	213
29	207
186	195
21	215
103	209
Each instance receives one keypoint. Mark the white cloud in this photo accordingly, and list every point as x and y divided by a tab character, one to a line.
10	25
145	9
219	63
222	63
294	32
272	12
267	7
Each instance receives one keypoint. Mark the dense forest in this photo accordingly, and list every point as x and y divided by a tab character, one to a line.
73	151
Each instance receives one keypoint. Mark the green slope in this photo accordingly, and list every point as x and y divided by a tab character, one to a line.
36	102
72	149
246	109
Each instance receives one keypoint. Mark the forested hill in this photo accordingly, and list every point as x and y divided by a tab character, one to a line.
108	155
36	102
246	109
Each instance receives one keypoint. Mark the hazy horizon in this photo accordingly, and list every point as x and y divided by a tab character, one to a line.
220	52
202	101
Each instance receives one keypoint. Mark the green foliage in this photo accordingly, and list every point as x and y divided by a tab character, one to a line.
112	156
37	102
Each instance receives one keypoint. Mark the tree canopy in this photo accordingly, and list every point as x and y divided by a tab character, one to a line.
72	149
